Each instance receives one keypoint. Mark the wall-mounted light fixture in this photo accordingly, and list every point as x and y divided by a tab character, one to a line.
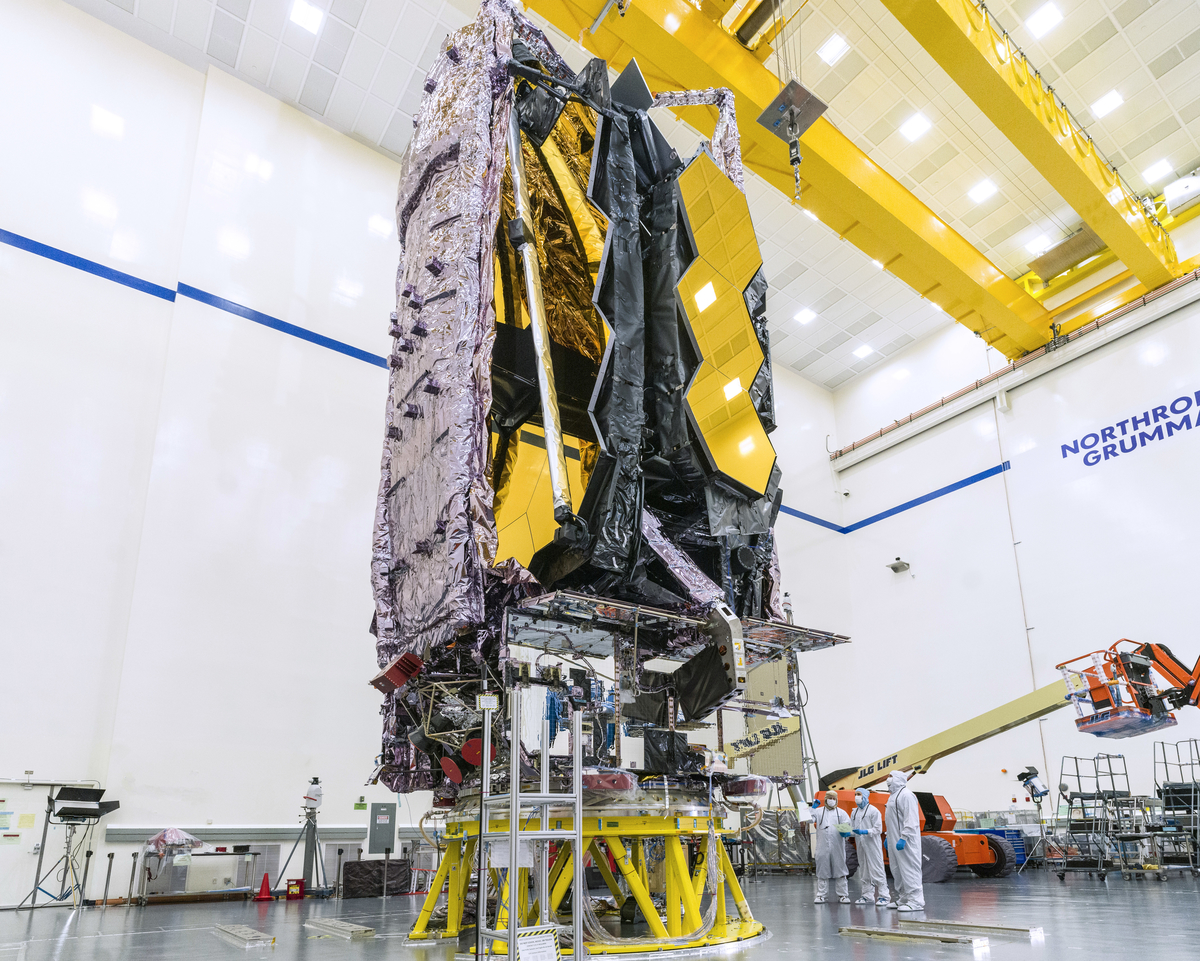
898	566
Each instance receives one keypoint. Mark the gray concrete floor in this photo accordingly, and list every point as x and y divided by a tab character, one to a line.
1116	919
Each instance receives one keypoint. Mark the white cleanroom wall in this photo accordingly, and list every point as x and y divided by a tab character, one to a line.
1021	558
189	446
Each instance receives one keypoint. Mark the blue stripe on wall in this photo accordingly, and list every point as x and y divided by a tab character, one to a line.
229	306
906	506
281	325
88	266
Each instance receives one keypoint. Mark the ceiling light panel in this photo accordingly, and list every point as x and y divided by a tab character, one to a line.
306	16
1107	104
833	49
915	127
1044	19
982	191
1158	171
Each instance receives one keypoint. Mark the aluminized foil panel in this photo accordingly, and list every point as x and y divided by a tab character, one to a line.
726	143
434	530
699	586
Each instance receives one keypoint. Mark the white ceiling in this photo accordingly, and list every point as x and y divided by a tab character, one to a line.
363	71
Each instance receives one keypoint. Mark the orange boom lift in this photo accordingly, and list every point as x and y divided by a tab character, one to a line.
1116	695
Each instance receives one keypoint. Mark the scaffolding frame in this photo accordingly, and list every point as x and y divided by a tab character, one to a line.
1084	837
1177	783
1145	843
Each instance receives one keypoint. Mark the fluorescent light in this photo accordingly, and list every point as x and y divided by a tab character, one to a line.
1107	104
380	226
1039	245
915	126
1158	171
107	124
733	388
833	49
809	214
863	351
746	446
982	191
262	169
705	297
233	243
805	316
306	16
1044	19
101	206
671	22
878	264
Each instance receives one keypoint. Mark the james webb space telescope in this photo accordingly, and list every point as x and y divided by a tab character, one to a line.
576	468
577	456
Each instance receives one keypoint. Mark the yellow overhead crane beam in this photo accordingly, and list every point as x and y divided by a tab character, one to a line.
678	46
1001	82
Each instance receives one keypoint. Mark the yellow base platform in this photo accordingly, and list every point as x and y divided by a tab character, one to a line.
624	838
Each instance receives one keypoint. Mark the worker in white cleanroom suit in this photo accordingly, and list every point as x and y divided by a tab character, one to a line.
903	822
867	824
830	828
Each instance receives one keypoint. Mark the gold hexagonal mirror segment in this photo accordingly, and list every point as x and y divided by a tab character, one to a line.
711	295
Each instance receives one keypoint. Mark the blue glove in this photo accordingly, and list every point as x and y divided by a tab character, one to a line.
861	831
816	804
900	844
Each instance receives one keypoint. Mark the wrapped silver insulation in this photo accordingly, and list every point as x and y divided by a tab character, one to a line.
434	529
726	144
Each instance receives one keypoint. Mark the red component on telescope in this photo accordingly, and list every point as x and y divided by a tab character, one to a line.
397	673
472	751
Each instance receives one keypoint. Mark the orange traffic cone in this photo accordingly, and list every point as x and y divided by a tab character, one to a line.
264	892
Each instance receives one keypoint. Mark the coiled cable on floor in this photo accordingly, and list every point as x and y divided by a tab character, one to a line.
714	877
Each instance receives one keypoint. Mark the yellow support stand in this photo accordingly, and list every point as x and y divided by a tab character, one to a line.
624	837
601	861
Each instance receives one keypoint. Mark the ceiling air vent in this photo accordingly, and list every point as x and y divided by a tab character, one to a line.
1066	254
755	25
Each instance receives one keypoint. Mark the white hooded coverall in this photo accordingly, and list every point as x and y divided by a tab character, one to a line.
830	851
871	877
903	820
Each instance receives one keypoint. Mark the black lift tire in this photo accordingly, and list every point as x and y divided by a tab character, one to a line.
1006	859
938	860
